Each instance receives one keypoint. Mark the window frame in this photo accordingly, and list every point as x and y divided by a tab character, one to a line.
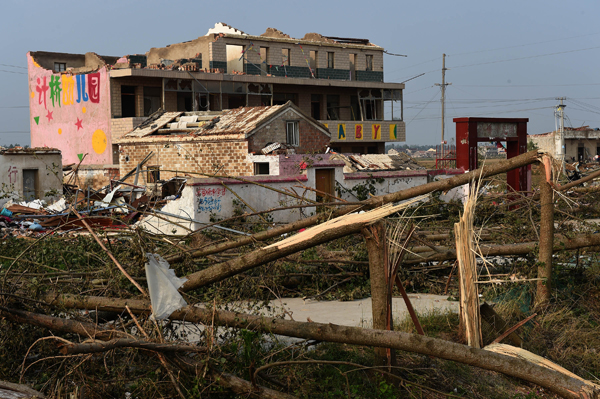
60	66
292	138
257	167
369	62
331	60
286	58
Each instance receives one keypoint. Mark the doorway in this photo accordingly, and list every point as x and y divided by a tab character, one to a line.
325	179
30	184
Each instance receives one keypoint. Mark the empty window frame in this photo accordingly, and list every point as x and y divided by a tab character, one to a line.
333	107
264	60
285	56
261	168
60	66
369	66
152	100
153	174
330	59
128	102
292	133
313	60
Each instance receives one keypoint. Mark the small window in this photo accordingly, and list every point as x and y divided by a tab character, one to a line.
285	56
60	66
153	174
330	58
293	136
369	63
261	168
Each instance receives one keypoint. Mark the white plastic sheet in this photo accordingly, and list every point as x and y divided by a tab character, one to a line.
163	285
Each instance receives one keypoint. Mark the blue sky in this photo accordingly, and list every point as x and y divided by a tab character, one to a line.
505	59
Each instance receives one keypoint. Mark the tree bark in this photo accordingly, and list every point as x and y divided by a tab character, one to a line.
350	224
103	346
380	296
560	244
89	330
441	185
562	384
546	244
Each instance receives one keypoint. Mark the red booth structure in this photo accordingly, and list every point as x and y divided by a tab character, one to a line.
470	131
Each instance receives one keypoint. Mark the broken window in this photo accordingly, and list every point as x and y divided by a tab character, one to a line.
330	59
313	61
352	61
184	101
128	101
264	58
282	98
333	107
261	168
60	66
315	106
153	174
285	56
369	66
152	100
292	133
235	58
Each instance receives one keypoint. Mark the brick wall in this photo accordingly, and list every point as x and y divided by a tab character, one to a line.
222	157
120	126
298	67
311	138
96	176
115	94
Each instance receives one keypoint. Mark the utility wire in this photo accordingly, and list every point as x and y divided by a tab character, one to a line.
524	45
524	58
20	73
14	66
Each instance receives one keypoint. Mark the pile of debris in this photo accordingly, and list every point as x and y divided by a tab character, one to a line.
377	162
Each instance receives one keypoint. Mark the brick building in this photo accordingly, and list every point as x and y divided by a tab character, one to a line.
83	103
227	143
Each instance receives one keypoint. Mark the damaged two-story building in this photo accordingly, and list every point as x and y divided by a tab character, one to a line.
83	103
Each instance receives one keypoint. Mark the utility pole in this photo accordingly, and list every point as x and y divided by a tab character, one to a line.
559	136
443	100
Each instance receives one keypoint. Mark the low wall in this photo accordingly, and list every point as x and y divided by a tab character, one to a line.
94	176
209	200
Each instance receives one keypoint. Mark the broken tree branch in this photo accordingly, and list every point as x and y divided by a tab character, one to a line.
110	255
553	380
440	185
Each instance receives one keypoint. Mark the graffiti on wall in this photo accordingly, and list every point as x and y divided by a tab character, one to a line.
12	174
209	199
71	112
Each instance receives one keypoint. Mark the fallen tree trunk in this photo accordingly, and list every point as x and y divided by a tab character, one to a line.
89	330
560	244
560	383
336	228
440	185
104	346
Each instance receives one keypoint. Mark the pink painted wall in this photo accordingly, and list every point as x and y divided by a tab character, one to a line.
71	113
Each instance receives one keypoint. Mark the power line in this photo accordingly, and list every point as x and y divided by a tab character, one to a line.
20	73
524	58
524	45
14	66
14	132
540	85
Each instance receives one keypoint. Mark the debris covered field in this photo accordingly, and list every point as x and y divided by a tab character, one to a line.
97	307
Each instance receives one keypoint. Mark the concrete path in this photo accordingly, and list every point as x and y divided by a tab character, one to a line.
358	313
